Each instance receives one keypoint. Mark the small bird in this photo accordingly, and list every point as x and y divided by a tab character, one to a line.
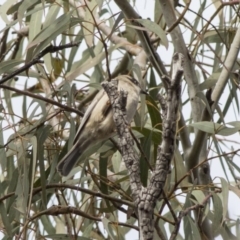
97	123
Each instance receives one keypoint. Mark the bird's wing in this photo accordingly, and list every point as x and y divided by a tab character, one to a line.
88	113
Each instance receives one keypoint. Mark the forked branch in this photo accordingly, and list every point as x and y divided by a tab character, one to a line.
145	198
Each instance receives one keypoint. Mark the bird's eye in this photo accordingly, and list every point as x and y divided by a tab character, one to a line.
135	81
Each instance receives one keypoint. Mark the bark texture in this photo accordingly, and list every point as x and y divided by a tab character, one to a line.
145	198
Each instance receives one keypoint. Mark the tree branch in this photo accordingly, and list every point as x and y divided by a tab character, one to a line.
180	46
227	68
84	190
44	99
185	212
145	198
49	49
57	210
126	141
149	196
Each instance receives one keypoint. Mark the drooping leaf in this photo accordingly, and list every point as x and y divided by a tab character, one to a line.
23	7
215	128
5	220
145	159
218	212
88	29
103	166
108	227
89	64
153	27
8	66
224	194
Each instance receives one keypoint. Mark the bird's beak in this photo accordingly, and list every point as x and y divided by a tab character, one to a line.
144	92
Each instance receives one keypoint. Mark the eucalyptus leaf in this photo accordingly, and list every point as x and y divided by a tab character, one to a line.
215	128
153	27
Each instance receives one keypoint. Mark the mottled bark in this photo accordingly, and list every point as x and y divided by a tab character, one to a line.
145	198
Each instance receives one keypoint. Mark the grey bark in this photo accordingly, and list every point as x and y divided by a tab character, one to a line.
145	198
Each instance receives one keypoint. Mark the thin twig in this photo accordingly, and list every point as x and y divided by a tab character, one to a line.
185	212
84	190
180	17
57	210
47	100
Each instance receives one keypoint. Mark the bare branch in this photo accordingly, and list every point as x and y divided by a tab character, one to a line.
44	99
81	189
185	212
57	210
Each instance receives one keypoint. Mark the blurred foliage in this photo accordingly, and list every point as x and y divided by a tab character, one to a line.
33	133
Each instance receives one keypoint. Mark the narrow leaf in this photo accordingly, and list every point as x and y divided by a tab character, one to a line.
153	27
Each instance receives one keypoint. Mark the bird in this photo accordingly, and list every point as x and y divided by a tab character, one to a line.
97	123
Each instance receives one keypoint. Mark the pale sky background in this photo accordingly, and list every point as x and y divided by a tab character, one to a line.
145	9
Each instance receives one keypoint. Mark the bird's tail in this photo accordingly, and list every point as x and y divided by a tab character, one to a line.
67	163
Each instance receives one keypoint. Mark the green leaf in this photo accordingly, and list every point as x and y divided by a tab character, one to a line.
89	64
180	169
209	82
194	229
12	23
74	51
53	30
88	29
14	8
52	14
103	166
187	228
33	164
7	66
88	230
47	224
153	87
23	7
21	191
57	65
153	27
224	194
42	134
3	155
35	23
218	212
154	113
115	25
144	166
219	153
5	220
158	16
238	228
156	135
199	195
48	34
12	188
108	227
215	128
